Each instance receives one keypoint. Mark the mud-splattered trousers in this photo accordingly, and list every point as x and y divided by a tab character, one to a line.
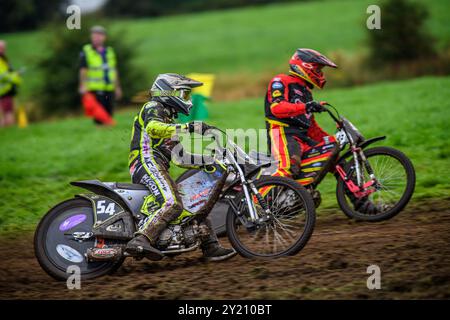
154	137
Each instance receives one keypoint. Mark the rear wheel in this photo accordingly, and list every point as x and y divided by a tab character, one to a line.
55	247
289	225
396	181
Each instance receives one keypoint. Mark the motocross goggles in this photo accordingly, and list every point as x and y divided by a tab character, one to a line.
183	94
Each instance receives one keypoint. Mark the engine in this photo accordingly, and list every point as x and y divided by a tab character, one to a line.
177	236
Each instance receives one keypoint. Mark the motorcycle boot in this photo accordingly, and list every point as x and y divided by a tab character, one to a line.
145	239
212	250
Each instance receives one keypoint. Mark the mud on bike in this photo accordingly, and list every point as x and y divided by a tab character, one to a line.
92	229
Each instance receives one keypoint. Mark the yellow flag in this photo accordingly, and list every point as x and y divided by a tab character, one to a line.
208	83
22	120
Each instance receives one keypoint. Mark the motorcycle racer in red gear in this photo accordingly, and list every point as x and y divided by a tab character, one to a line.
301	147
294	137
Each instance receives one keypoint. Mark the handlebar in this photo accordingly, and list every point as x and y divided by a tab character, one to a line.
229	144
337	118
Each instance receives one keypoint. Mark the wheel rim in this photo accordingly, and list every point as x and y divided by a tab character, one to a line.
60	246
285	228
392	181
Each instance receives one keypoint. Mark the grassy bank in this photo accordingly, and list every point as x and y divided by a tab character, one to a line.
234	44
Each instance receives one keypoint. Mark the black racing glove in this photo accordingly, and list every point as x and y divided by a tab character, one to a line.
314	106
198	127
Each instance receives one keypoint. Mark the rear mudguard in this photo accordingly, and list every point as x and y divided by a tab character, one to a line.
362	145
116	207
106	189
111	221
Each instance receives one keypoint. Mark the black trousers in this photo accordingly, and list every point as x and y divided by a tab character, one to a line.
106	99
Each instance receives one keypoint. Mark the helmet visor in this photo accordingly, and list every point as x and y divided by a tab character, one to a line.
185	94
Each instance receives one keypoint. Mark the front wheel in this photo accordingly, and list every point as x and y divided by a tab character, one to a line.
396	180
287	228
57	249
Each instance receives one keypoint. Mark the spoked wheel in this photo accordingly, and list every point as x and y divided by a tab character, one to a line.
396	181
287	228
62	238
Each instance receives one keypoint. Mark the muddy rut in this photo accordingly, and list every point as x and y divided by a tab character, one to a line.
412	251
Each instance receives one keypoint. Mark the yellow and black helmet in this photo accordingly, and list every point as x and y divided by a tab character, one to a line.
174	90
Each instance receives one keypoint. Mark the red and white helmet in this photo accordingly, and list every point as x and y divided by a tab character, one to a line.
308	64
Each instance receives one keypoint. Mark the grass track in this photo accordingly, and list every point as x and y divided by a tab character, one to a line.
37	163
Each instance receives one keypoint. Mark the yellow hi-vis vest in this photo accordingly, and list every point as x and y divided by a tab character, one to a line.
96	69
8	78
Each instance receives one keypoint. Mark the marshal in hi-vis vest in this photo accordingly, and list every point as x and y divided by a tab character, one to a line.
96	69
8	78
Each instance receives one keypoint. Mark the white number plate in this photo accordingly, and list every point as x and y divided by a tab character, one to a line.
341	137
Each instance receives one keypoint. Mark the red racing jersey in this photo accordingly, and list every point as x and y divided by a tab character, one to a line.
285	103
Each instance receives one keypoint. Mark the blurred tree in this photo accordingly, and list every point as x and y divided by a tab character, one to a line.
17	15
402	36
58	92
143	8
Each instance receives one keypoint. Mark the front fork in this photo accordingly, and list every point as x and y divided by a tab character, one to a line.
250	203
255	218
360	189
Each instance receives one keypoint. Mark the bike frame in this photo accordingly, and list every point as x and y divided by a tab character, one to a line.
356	149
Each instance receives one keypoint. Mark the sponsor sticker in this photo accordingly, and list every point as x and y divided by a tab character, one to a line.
133	168
277	85
310	175
69	253
276	93
71	222
313	154
106	252
299	92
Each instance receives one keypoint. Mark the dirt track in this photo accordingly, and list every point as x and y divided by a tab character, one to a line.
412	250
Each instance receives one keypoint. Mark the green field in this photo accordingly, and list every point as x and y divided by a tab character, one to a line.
37	163
258	39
